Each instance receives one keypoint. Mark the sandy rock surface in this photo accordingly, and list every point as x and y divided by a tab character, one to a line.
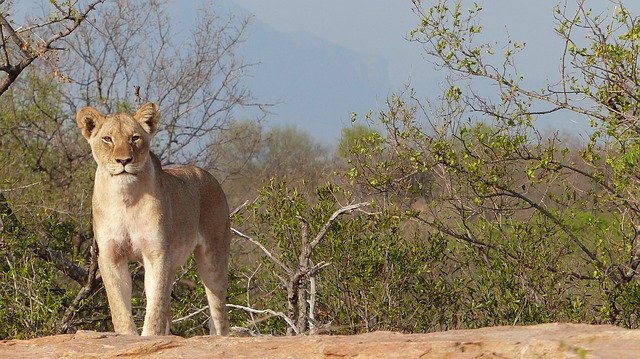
539	341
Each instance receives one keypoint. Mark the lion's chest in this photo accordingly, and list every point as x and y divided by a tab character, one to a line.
130	231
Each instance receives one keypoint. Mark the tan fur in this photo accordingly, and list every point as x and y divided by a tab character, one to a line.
142	212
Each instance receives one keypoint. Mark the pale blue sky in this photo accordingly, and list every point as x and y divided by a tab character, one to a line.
379	27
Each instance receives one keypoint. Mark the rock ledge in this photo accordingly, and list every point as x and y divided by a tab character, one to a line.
538	341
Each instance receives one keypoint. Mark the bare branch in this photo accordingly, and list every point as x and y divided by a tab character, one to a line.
556	220
263	249
239	208
178	320
323	231
62	262
90	287
32	51
16	39
131	54
291	324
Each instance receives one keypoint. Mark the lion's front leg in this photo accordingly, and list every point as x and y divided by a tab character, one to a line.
117	283
157	286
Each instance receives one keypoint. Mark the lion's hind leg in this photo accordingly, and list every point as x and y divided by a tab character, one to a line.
212	269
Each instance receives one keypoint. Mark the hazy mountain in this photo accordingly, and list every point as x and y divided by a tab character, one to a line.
315	83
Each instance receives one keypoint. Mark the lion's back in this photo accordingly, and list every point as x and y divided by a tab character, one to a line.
194	186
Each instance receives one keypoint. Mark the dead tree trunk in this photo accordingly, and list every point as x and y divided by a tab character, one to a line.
300	282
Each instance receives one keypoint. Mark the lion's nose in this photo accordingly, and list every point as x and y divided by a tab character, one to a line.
124	161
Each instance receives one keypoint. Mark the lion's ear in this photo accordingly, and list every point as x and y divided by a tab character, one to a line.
88	119
148	116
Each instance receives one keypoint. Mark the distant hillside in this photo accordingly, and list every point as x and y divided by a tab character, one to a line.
317	84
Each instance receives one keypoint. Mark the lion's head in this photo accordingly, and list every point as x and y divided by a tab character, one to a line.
120	142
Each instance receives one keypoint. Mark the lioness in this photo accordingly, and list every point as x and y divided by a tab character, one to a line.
142	212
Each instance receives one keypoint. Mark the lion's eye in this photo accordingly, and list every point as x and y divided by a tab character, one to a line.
135	138
106	139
